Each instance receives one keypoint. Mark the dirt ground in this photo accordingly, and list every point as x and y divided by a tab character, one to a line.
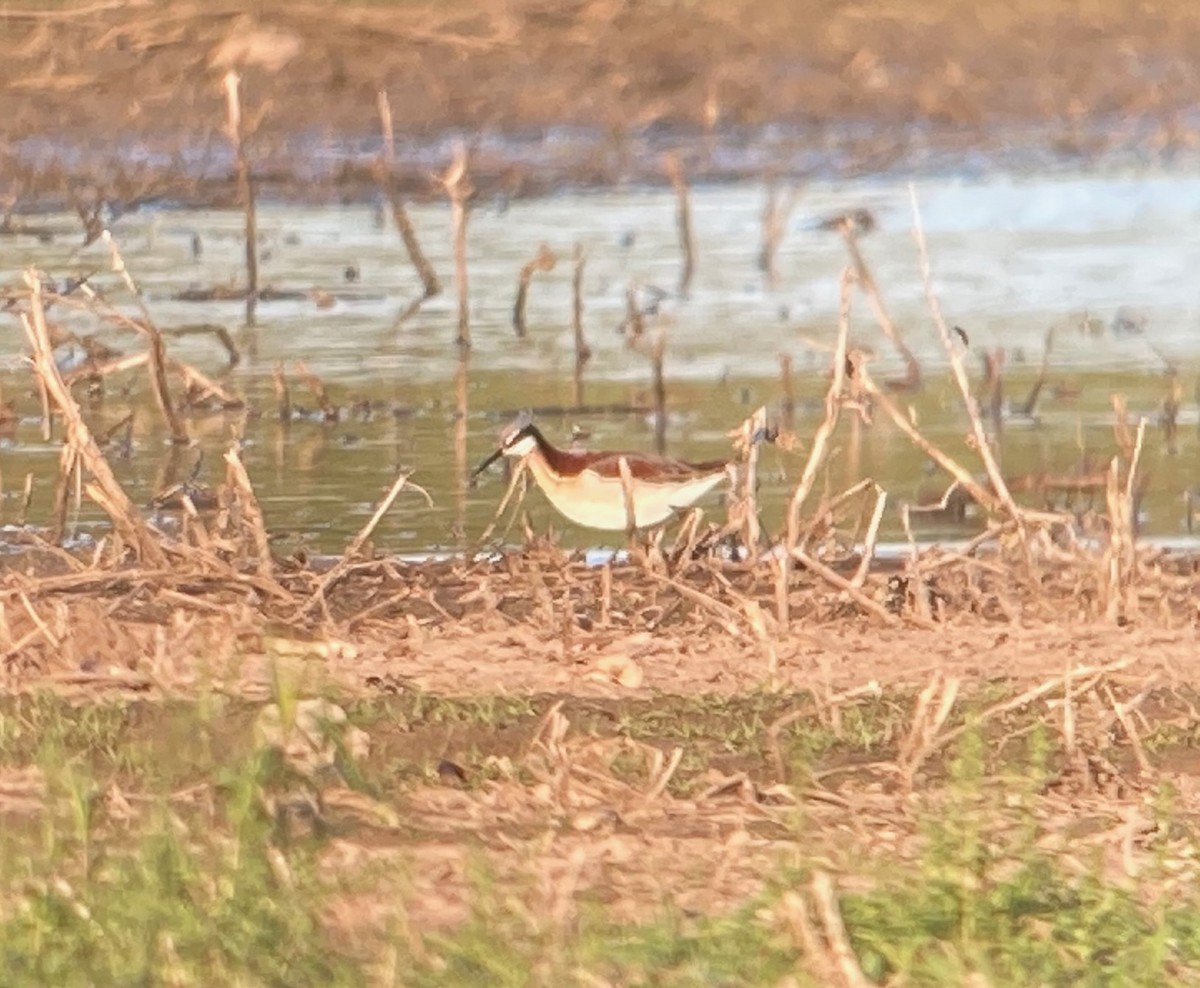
858	85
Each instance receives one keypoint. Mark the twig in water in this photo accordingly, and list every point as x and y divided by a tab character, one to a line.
658	388
283	396
233	130
544	261
787	407
457	183
683	217
1029	405
386	176
582	352
329	410
776	212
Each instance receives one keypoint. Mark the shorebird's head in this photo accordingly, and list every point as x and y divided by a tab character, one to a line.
518	440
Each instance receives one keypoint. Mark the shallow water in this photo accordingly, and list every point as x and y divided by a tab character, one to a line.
1011	256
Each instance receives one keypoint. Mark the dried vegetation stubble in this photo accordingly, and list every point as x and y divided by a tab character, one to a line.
734	755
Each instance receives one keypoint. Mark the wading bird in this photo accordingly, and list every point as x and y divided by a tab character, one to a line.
588	489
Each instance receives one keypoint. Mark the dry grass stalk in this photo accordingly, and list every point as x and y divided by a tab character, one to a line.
825	897
283	396
866	282
1029	405
820	964
833	404
1121	712
868	555
457	183
1122	434
658	387
787	406
193	379
927	721
777	211
339	569
1120	559
234	131
544	261
239	481
627	492
158	354
583	352
125	518
985	498
519	475
683	218
1169	415
26	498
854	593
462	375
634	326
223	336
1085	677
386	174
964	385
68	474
743	505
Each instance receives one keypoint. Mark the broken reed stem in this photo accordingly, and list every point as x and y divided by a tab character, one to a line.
927	722
233	130
964	385
833	399
518	475
283	395
866	281
251	512
744	506
68	466
385	505
461	411
1029	405
158	350
329	411
776	213
387	182
544	260
683	218
106	491
457	184
825	897
868	556
902	421
658	386
582	352
1083	678
1120	555
787	407
835	579
630	503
